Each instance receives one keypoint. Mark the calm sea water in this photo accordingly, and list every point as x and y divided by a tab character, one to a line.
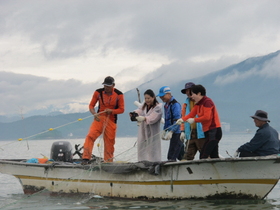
12	197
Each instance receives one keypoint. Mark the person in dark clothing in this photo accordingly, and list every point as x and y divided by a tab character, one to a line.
265	142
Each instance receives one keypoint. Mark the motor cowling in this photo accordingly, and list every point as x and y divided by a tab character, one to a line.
61	151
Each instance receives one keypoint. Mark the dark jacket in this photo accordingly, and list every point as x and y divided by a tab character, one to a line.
265	142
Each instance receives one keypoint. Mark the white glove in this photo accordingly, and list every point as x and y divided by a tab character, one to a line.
190	120
236	154
169	135
140	118
179	122
182	136
163	135
137	103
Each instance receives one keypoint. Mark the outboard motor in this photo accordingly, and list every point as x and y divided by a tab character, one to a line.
61	151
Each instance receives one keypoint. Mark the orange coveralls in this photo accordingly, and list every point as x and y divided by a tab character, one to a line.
107	123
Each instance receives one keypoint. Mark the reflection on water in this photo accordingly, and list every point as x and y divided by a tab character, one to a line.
91	202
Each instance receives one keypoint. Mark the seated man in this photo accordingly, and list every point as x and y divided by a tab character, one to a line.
266	140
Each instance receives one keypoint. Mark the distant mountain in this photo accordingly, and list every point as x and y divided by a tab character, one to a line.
241	89
6	119
238	91
47	127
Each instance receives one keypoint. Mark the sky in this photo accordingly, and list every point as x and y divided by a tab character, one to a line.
56	53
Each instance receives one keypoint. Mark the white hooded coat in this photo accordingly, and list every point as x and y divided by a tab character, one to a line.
149	141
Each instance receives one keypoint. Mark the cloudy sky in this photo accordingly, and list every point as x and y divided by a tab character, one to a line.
54	53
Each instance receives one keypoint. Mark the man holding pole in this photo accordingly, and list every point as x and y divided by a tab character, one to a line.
111	103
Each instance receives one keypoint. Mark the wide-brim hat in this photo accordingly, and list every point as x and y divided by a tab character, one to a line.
163	90
187	86
109	81
261	115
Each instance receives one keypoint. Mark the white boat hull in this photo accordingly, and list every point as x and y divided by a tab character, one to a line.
218	178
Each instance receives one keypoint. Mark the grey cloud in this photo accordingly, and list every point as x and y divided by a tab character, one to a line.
235	76
197	28
179	30
26	92
270	70
184	71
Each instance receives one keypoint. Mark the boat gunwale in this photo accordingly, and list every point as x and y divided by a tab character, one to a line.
58	164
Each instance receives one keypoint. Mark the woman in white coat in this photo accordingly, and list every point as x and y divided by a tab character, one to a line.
149	141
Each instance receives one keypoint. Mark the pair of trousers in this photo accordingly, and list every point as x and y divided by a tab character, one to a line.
96	129
248	154
175	148
211	147
193	145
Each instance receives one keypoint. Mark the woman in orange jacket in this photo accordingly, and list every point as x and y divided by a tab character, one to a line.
207	114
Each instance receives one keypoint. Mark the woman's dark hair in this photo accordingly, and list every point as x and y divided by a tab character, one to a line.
198	89
152	94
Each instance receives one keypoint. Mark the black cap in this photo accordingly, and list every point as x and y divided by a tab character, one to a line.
187	86
109	81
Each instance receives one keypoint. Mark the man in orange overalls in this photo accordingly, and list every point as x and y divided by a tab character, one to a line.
111	103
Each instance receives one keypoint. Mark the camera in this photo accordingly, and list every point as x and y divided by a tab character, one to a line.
133	116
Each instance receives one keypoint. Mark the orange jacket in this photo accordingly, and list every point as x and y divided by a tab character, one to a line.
115	101
207	114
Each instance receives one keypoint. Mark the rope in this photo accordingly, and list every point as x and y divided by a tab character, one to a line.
100	139
51	129
136	142
89	170
188	141
100	143
78	175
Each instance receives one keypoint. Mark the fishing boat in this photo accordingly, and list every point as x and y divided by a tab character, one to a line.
225	178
